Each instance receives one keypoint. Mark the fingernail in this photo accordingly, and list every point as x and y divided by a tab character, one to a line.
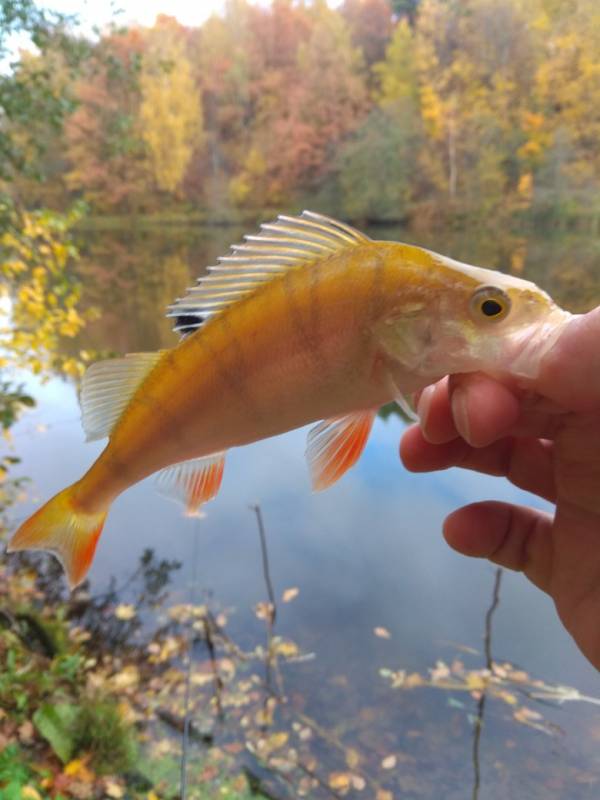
460	414
424	405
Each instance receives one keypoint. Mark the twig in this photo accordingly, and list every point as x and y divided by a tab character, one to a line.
478	726
271	665
323	784
488	619
188	678
178	724
265	562
210	645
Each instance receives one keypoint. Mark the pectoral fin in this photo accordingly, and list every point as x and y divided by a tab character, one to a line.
193	482
335	445
406	407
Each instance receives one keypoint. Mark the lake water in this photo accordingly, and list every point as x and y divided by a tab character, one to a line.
366	554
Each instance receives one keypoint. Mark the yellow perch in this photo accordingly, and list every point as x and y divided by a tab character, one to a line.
308	320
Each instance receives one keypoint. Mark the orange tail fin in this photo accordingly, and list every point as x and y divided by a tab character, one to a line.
63	529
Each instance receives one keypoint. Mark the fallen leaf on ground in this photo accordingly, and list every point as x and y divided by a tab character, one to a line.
125	611
78	770
358	782
439	672
30	793
383	633
352	758
26	732
263	610
339	781
113	789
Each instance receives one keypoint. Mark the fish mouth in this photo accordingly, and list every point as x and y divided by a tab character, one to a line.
533	342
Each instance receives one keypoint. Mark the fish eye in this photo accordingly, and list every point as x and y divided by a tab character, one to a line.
491	303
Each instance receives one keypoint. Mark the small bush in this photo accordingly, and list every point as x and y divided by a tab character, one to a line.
101	731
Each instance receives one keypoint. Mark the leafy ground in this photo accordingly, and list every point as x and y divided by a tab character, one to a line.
98	699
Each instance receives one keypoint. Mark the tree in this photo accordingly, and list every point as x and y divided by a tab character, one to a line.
370	24
375	167
36	252
563	148
476	65
105	150
309	113
170	110
28	95
406	9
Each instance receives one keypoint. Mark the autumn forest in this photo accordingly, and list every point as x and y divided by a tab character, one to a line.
404	111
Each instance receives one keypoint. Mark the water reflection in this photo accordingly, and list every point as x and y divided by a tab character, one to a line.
366	554
133	275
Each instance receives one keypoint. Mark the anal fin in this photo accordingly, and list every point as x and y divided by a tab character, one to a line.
335	445
193	482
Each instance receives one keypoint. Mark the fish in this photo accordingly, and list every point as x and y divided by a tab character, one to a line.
307	321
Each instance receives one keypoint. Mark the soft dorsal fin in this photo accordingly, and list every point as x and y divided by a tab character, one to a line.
107	388
286	243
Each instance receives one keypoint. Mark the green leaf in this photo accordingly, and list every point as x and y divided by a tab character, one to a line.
55	723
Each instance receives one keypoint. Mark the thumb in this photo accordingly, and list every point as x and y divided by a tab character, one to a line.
570	372
512	536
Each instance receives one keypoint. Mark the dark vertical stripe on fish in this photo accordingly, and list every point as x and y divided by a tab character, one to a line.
303	324
168	422
377	293
231	372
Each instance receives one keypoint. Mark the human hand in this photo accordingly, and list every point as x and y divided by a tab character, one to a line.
544	436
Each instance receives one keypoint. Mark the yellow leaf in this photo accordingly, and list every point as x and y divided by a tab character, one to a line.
526	715
476	682
29	793
113	789
389	762
383	633
263	610
439	672
276	741
126	678
519	676
290	594
352	758
77	768
412	680
125	611
339	782
358	782
286	649
382	794
509	698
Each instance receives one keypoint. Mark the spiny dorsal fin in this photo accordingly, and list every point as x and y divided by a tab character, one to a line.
286	243
107	388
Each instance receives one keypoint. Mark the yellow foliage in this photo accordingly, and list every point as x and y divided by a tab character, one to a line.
170	112
30	793
339	782
40	298
77	768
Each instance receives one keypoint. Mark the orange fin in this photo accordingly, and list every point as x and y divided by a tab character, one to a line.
335	445
193	482
62	529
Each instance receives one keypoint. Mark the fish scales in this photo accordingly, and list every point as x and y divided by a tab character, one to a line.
234	381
